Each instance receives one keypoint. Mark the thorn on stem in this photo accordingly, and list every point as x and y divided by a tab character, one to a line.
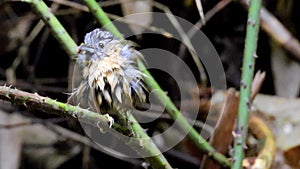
248	103
243	84
236	133
251	22
250	66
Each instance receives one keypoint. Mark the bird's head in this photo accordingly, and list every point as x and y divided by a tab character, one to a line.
94	45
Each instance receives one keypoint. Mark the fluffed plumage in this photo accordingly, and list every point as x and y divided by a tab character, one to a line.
109	75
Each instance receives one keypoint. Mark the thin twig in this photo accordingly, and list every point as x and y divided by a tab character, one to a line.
246	82
55	26
23	50
68	134
155	113
222	4
75	5
32	122
280	34
186	41
200	10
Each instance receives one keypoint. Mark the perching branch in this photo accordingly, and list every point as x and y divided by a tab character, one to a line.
247	77
45	104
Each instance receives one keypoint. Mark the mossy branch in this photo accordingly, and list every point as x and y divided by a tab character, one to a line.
36	102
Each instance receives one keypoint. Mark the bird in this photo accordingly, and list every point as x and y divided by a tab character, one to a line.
110	80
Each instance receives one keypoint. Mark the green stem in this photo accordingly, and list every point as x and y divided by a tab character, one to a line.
149	150
172	110
247	77
55	26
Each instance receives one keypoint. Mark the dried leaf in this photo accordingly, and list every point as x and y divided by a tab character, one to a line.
222	136
283	113
292	156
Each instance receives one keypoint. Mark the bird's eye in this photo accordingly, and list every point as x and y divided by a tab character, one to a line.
101	45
